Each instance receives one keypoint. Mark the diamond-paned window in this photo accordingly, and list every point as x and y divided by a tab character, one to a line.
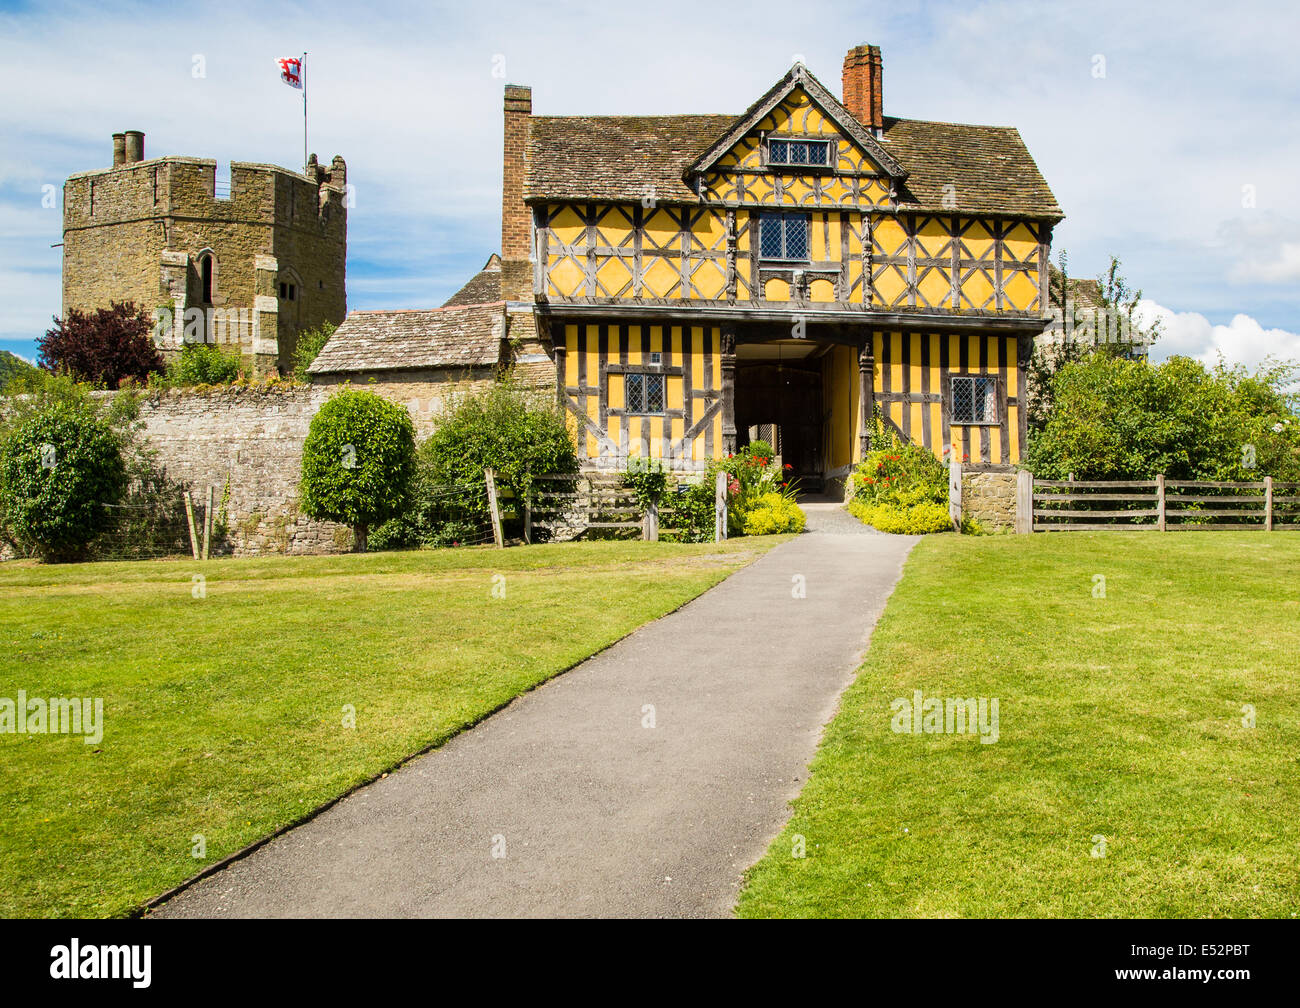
799	152
644	393
783	236
974	399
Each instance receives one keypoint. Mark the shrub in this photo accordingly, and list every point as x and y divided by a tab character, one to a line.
774	514
310	344
61	467
358	462
108	347
751	473
1123	419
900	487
915	519
207	364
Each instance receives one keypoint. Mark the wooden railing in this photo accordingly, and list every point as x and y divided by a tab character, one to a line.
1160	504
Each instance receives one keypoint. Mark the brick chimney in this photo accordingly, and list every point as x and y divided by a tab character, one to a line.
863	95
516	217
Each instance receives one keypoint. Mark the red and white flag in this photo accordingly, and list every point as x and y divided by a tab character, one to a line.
291	71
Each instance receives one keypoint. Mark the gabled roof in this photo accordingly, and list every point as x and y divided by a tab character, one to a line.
483	287
462	336
622	159
798	77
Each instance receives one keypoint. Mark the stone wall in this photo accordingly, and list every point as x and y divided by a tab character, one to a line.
246	443
989	497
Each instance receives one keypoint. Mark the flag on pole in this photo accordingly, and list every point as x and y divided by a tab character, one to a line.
291	71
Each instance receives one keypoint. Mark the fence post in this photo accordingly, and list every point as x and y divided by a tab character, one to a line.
189	520
1268	503
720	507
650	529
1024	502
528	517
954	495
489	477
207	522
1160	502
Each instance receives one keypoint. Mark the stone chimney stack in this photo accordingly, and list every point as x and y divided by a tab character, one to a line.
119	149
863	93
516	217
134	146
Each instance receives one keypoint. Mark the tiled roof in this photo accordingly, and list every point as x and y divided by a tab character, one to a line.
462	336
616	158
989	168
483	287
620	158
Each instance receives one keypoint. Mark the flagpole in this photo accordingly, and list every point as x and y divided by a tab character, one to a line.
304	113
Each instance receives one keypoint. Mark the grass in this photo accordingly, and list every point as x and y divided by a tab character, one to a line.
1120	717
225	714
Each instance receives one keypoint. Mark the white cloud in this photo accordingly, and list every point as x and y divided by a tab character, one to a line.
1241	341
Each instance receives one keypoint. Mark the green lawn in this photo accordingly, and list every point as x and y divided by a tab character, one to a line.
1119	717
224	715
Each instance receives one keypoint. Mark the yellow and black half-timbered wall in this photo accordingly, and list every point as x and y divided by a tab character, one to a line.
700	279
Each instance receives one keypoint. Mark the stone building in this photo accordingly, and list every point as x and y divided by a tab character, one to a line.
251	265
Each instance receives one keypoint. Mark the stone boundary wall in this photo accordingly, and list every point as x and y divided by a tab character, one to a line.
989	497
247	444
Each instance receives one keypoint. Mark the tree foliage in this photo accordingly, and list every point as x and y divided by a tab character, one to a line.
207	364
358	462
1128	419
106	347
1098	317
63	465
310	344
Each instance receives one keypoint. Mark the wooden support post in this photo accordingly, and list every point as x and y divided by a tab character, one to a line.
954	495
720	507
207	522
1268	503
866	394
1024	502
189	520
728	390
1160	503
650	528
528	518
489	477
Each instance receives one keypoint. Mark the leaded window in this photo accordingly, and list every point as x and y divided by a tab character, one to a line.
816	153
783	236
974	399
643	393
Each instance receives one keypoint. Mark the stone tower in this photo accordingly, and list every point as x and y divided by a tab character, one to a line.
250	267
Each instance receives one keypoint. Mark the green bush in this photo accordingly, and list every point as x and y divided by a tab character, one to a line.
62	467
358	462
751	473
310	344
916	519
207	364
1128	419
900	487
774	514
515	432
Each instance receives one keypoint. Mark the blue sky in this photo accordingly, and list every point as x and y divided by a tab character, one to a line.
1168	132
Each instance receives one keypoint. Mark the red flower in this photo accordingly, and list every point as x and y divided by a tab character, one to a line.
789	466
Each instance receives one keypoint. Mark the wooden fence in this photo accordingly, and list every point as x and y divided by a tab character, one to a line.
567	506
1160	504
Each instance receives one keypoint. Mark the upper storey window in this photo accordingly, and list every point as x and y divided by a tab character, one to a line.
783	153
783	236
